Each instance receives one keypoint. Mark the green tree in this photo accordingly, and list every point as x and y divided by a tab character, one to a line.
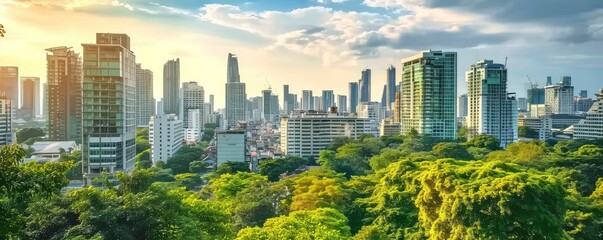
198	167
371	233
312	192
590	150
180	162
322	223
143	159
232	168
189	180
451	150
254	205
461	134
273	168
29	133
484	141
382	160
527	132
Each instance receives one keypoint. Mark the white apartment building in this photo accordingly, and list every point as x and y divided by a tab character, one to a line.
305	134
374	112
192	97
591	127
192	134
165	136
559	98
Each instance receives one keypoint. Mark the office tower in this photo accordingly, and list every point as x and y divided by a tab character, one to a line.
535	95
286	99
171	86
522	104
45	101
365	86
211	103
391	87
591	127
231	146
317	103
267	113
235	92
583	94
274	105
492	111
582	104
109	106
384	97
145	104
64	100
307	100
207	114
30	96
353	93
9	84
165	136
328	100
397	108
462	106
549	81
559	98
304	133
193	97
373	112
342	103
428	98
6	130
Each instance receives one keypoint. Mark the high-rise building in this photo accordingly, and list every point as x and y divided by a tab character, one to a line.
64	93
462	106
9	84
30	96
193	97
235	93
342	103
391	87
193	134
307	100
328	100
591	127
428	98
353	93
45	101
317	103
171	86
365	86
559	98
492	111
384	97
397	108
109	106
287	106
535	95
522	104
583	94
6	127
165	136
582	104
268	107
373	112
145	103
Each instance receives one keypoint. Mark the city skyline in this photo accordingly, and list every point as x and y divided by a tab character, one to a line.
265	41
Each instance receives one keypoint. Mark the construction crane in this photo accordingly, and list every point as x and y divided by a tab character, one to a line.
533	85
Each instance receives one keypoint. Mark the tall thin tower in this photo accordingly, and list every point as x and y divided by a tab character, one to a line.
235	92
171	87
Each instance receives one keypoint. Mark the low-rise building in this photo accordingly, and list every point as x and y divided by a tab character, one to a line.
231	146
48	151
389	128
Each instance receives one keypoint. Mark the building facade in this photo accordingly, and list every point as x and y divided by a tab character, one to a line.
6	127
145	103
9	84
492	111
171	87
109	106
30	96
235	93
342	104
165	136
231	146
328	100
193	97
428	88
353	93
307	100
391	87
373	111
592	126
559	98
364	86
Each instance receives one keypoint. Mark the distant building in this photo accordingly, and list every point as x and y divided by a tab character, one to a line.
364	86
389	128
492	110
192	133
391	87
559	98
231	146
397	108
328	100
165	136
145	103
269	110
463	106
374	112
583	94
236	95
6	127
582	104
342	103
538	110
428	98
307	100
30	96
193	97
592	126
522	104
47	151
171	87
353	93
317	103
9	84
305	134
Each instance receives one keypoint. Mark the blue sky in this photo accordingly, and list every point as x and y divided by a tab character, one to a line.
317	45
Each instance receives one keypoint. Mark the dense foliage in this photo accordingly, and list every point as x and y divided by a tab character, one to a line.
402	187
30	134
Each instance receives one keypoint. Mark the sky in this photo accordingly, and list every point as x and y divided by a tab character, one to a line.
317	44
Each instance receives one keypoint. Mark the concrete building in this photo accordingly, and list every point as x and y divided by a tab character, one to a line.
9	84
592	126
538	110
45	101
342	103
582	104
307	100
64	94
165	136
364	86
492	110
522	104
463	106
353	93
145	103
428	98
193	97
268	108
231	146
30	96
559	98
50	151
391	87
317	103
171	87
306	133
109	106
374	111
192	133
328	100
397	108
235	93
389	128
6	116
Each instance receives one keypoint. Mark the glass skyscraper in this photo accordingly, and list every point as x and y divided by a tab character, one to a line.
365	86
353	88
391	86
171	87
236	96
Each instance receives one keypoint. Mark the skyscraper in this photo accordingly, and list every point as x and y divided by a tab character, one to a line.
109	106
235	92
171	87
45	100
492	111
193	97
463	106
383	102
9	84
6	127
342	103
64	94
307	100
328	100
317	103
365	86
268	114
145	104
391	86
583	94
211	103
559	98
286	99
30	95
428	98
353	93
